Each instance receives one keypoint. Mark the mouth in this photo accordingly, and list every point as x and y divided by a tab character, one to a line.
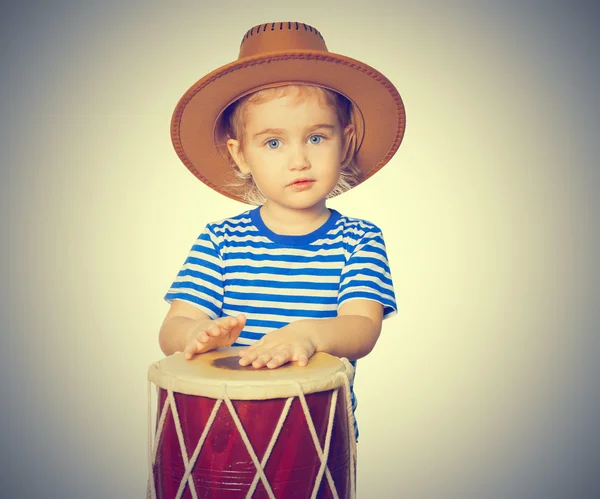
301	184
302	181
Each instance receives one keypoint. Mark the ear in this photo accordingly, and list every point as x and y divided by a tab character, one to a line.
348	144
233	146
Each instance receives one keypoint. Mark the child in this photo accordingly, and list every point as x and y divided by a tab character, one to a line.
285	127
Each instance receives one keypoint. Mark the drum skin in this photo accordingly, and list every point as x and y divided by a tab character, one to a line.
224	468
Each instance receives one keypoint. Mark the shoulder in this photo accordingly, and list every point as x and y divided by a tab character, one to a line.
237	222
240	225
357	233
357	228
231	230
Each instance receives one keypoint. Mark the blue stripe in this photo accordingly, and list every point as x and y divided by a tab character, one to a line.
265	324
283	270
194	299
330	243
285	258
198	248
374	249
197	287
357	283
323	300
384	300
205	236
198	252
203	263
286	312
247	335
185	272
368	261
369	272
322	286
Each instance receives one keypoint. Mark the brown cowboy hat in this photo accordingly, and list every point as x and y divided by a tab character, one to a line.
276	54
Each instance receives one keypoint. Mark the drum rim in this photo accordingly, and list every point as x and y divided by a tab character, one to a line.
185	377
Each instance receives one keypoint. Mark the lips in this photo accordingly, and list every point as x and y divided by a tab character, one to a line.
302	181
301	184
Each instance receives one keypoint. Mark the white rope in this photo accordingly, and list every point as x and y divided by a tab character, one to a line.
184	456
351	432
161	423
282	418
332	408
246	440
196	453
313	432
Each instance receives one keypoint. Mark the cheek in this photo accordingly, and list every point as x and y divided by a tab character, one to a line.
331	155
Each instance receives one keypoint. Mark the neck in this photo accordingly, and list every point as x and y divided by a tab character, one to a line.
291	221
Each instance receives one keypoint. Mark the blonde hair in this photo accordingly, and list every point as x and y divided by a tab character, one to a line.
234	121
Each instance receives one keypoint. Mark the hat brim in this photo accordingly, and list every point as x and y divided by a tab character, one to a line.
195	119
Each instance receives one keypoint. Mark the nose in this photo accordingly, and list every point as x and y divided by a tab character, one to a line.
299	158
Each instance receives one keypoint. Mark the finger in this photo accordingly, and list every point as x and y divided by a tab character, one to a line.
301	356
302	360
250	352
278	360
235	332
189	351
248	358
226	323
262	360
213	330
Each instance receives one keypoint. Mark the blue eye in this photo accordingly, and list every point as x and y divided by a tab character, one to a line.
315	139
274	143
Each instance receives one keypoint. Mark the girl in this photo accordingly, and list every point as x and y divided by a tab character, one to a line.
285	127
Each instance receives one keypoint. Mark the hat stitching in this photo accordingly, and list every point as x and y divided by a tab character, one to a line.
250	32
175	125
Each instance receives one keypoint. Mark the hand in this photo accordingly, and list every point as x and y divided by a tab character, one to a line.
277	348
208	335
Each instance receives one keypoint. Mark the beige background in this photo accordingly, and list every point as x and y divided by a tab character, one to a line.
483	387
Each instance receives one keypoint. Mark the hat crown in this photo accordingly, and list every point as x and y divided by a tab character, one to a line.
280	37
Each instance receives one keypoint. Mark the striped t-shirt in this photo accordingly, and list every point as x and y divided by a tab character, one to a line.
238	265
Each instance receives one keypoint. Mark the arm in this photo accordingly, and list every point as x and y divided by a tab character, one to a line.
188	329
352	334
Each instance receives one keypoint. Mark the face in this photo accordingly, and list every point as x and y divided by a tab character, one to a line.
293	148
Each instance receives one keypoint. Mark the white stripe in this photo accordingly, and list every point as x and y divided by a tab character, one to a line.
258	264
205	258
197	294
233	250
202	269
373	255
299	305
243	218
239	229
368	278
268	317
283	278
321	293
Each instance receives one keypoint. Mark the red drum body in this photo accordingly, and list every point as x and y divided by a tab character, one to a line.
285	433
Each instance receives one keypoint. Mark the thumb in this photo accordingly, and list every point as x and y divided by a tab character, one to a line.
235	331
241	321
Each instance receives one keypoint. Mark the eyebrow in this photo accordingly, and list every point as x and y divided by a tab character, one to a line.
281	131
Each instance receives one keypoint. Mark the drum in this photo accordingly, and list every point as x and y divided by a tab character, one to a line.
225	431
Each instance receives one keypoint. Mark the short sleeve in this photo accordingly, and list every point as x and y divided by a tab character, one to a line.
367	275
200	280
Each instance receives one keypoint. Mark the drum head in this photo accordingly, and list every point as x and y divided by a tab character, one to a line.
217	374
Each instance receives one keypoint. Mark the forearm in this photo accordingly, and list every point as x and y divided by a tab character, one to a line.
175	332
349	336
